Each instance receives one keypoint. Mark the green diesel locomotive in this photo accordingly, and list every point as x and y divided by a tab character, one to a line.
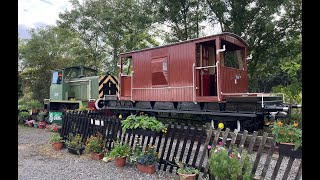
76	87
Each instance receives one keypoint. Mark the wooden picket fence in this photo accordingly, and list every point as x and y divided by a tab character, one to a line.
186	143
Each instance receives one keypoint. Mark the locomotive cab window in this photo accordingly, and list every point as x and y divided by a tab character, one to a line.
56	77
73	72
159	70
232	56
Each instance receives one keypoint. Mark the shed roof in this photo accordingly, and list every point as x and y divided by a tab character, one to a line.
190	40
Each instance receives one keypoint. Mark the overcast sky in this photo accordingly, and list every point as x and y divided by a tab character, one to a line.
31	12
37	13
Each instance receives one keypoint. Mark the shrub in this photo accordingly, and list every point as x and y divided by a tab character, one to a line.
74	141
95	144
119	150
144	122
185	168
23	116
231	166
287	133
55	137
148	157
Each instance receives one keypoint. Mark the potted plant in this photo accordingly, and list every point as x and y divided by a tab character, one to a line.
229	165
57	141
23	116
34	105
289	138
120	152
95	146
75	144
35	125
146	162
186	172
143	125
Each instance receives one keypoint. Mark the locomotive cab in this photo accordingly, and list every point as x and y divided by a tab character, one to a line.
71	88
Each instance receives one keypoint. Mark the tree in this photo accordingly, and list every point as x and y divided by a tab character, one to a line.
266	26
49	48
183	17
108	28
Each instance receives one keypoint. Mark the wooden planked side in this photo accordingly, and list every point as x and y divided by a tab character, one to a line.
276	168
184	144
259	153
165	145
252	141
193	135
243	140
299	173
268	160
180	134
198	147
289	165
233	140
205	150
173	131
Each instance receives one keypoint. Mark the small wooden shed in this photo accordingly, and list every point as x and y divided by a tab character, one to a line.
196	70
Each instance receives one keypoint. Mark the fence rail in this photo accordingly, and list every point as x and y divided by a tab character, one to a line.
186	143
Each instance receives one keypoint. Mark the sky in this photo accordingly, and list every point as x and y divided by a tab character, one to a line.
37	13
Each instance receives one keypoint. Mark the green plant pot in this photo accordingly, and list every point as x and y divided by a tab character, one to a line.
287	149
75	151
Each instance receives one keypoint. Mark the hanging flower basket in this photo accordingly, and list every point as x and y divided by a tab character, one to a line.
287	149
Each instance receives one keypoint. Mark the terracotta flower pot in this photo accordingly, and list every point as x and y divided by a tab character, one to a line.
150	169
96	156
41	126
187	176
55	128
57	145
120	162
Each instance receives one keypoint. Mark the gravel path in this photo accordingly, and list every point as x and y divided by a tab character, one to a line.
38	160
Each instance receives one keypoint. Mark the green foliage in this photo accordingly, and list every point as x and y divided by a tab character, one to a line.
185	168
143	121
183	18
23	116
106	29
296	116
48	48
120	150
95	143
41	115
34	104
287	133
230	166
74	141
136	152
273	31
292	92
55	137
